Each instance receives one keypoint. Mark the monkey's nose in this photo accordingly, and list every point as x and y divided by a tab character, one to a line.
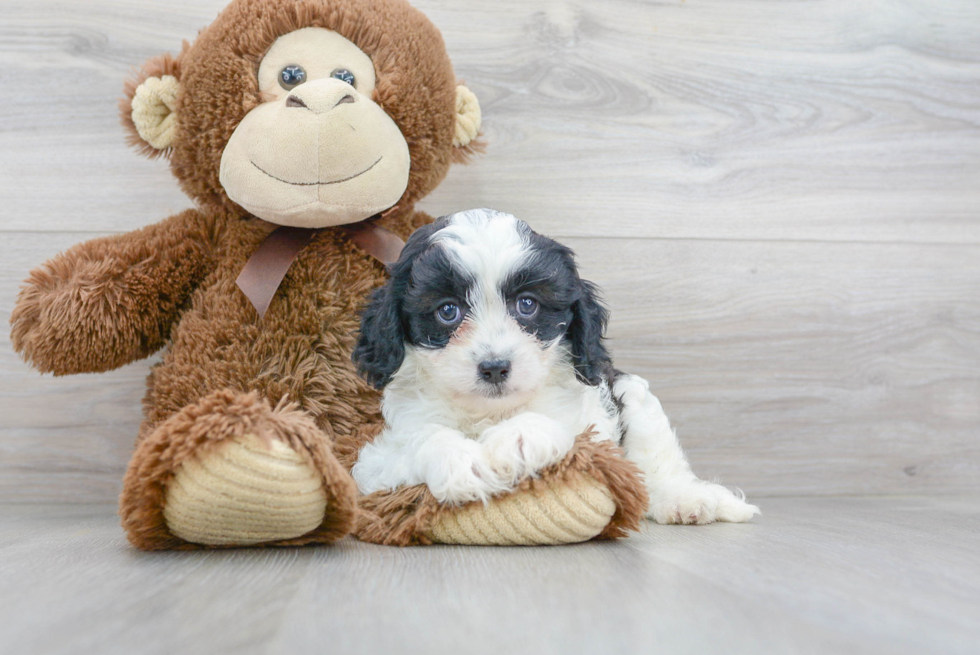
494	371
320	96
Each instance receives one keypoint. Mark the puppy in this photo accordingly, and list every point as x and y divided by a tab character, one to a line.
489	348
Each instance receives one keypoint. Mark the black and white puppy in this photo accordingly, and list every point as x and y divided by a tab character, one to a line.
490	351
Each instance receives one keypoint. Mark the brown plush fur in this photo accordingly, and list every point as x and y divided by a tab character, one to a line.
402	517
111	301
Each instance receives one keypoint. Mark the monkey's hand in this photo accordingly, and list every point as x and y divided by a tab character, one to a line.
110	301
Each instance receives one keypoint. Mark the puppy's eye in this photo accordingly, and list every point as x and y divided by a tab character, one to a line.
527	306
448	314
291	76
343	75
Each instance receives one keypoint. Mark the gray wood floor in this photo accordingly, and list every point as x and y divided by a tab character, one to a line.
841	575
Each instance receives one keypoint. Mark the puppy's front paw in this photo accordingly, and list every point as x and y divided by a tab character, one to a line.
523	445
459	474
634	391
697	502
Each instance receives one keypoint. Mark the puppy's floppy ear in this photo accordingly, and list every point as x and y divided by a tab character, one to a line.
380	346
586	332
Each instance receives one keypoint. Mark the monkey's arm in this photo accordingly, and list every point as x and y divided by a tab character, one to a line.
111	301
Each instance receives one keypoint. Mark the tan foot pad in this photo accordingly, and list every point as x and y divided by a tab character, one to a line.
244	492
561	514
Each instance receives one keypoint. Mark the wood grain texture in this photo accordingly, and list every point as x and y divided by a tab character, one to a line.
866	576
782	200
815	119
802	367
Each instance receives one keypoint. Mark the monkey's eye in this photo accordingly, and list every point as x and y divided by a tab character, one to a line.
527	306
448	314
343	75
291	76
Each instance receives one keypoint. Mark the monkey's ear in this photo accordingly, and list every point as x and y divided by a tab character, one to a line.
149	110
468	119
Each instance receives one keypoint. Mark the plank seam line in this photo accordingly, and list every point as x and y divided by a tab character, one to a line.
560	237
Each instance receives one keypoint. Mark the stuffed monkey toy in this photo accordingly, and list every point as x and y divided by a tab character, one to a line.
304	131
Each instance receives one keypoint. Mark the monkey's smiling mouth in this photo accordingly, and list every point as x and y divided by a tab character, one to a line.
346	179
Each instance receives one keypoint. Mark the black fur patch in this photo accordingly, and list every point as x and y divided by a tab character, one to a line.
568	306
380	348
549	277
434	282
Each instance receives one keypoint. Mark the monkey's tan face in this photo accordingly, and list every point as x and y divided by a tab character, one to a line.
318	151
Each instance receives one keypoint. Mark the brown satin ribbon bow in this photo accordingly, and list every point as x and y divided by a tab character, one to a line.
266	268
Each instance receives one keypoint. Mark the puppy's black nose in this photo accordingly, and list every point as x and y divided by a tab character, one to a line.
494	371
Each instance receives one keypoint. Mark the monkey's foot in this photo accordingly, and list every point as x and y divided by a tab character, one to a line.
231	471
563	513
593	493
244	491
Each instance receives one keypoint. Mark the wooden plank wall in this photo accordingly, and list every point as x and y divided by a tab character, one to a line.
781	199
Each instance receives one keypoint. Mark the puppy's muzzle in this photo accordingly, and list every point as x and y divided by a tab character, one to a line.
494	371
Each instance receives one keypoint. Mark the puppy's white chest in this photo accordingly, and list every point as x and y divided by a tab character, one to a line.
578	406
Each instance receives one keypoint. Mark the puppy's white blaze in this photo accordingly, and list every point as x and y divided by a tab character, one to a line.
488	244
